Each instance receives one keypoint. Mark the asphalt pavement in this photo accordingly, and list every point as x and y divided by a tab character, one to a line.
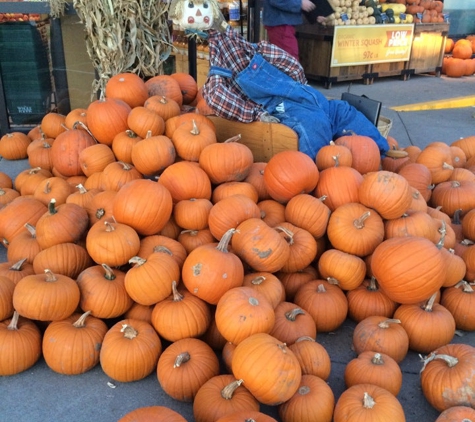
41	395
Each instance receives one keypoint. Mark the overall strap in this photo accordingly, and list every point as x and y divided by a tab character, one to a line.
220	71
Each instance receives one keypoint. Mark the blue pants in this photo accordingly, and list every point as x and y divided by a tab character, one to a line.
315	119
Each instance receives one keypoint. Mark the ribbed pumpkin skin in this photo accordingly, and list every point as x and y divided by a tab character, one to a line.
46	297
270	370
70	349
290	173
408	269
356	229
260	246
66	149
130	359
185	366
20	348
150	281
103	291
211	404
457	413
313	402
226	161
374	368
445	386
386	192
350	405
106	118
243	311
152	413
65	258
144	205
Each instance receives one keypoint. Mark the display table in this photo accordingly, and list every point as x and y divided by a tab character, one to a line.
317	51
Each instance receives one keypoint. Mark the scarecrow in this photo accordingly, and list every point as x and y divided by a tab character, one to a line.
260	82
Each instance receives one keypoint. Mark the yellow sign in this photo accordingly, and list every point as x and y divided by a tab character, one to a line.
363	44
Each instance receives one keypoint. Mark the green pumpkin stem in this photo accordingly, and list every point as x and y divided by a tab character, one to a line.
109	272
52	207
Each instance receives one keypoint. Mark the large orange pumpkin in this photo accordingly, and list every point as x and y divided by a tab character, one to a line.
408	269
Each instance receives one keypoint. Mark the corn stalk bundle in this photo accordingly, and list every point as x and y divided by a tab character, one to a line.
125	36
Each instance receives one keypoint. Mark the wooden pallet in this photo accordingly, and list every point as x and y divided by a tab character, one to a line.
264	139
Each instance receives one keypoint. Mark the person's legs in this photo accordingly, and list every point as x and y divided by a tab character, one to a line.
283	36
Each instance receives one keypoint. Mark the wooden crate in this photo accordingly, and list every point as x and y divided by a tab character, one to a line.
428	46
264	139
315	47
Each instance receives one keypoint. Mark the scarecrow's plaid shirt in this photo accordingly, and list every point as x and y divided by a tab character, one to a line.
229	50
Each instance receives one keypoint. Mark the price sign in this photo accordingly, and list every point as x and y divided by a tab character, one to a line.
363	44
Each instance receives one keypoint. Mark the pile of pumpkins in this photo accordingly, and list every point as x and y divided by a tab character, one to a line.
163	249
459	59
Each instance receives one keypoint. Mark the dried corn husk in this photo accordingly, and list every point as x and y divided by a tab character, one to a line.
125	36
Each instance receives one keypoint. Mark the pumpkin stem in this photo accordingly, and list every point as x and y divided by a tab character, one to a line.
373	284
368	401
13	326
109	226
190	232
17	265
258	280
387	322
84	127
81	188
288	233
125	166
253	301
50	277
34	170
181	358
456	218
194	130
137	260
447	166
443	232
224	242
228	391
466	287
129	331
359	222
332	280
292	315
450	360
377	359
305	389
304	338
282	347
81	322
109	275
234	138
323	197
31	229
430	303
162	249
47	188
177	296
131	133
52	206
336	158
321	288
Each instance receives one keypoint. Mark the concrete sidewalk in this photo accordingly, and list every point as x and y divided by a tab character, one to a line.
41	395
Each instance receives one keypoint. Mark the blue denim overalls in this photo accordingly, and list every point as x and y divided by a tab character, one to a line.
315	119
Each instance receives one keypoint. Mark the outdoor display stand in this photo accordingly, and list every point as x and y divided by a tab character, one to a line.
59	79
379	56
